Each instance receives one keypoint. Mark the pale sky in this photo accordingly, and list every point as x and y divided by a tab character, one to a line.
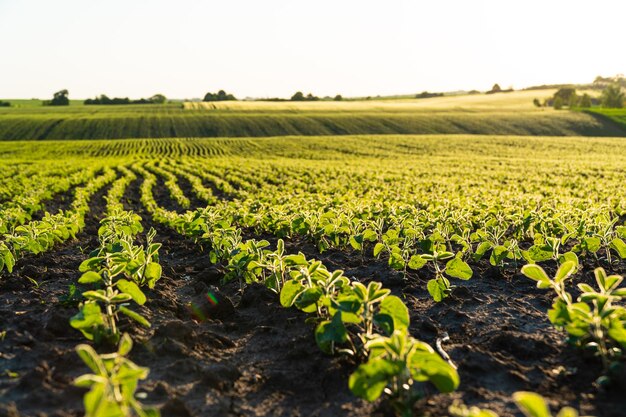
262	48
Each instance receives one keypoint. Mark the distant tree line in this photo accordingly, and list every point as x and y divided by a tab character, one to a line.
60	98
105	100
612	97
219	96
5	104
426	94
497	89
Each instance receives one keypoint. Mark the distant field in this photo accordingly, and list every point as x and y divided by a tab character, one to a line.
617	116
498	114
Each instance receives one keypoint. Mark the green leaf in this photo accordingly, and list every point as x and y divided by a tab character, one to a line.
498	254
416	262
290	292
396	261
531	404
536	273
592	244
378	248
565	271
370	379
437	289
425	364
91	359
135	316
619	246
90	277
569	256
88	319
458	269
308	298
329	333
90	264
539	253
131	289
295	260
618	333
394	307
567	412
126	345
384	322
152	273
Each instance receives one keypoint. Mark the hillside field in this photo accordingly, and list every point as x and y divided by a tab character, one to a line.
497	114
276	275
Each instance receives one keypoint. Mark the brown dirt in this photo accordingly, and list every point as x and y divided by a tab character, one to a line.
250	357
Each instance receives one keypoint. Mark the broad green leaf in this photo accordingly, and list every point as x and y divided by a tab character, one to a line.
330	332
457	268
565	271
619	246
91	359
394	307
437	289
131	289
90	277
308	298
152	273
370	379
531	404
290	292
425	365
135	316
378	248
416	262
536	273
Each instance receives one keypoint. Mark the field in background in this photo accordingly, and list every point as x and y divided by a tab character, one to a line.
497	114
617	116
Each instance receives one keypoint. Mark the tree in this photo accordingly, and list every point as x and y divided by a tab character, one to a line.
585	101
298	96
60	98
613	97
219	96
158	99
566	94
558	103
496	88
338	97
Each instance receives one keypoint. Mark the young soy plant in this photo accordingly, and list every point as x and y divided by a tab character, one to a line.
113	383
439	287
395	366
595	321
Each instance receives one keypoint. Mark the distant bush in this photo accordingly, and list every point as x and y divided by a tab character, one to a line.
558	103
426	94
602	82
5	104
298	96
60	98
104	100
613	97
536	102
158	99
219	96
497	89
585	101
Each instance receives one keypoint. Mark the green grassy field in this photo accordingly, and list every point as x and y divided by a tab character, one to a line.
617	116
498	114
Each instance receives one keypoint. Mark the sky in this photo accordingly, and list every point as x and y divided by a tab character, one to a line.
273	48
